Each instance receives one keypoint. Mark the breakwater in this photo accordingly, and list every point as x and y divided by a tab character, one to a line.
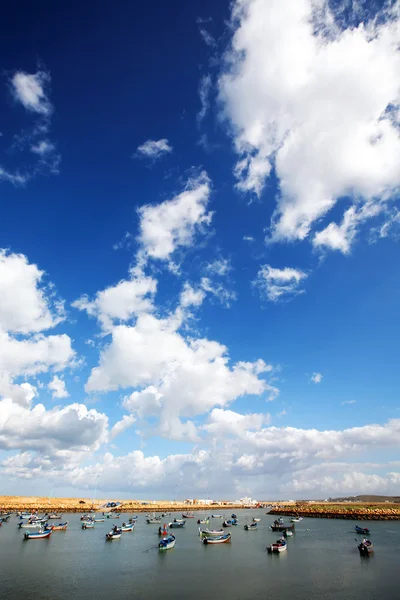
357	512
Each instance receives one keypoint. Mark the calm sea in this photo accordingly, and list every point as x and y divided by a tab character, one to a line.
322	563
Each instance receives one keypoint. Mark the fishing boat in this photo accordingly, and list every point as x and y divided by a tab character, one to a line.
99	520
287	533
363	530
163	530
114	534
221	539
366	547
250	526
33	525
235	521
163	515
54	516
125	528
279	525
115	515
38	535
153	521
88	525
59	527
227	523
255	520
25	515
179	520
108	515
296	519
216	516
233	516
86	517
211	532
188	515
176	525
203	521
167	543
5	517
133	519
279	546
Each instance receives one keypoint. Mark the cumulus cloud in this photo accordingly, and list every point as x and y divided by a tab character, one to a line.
120	426
280	284
173	224
58	388
121	302
316	100
316	377
154	149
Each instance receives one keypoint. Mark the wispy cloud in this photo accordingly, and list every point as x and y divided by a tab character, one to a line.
30	90
316	377
280	284
154	149
204	93
348	402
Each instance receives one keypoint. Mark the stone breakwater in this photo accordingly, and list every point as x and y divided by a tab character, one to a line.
81	505
357	512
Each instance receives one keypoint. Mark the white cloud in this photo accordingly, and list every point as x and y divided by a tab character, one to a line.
14	178
58	388
191	296
173	224
248	238
126	422
348	402
154	149
221	267
278	284
121	302
226	422
204	94
42	147
225	295
318	103
316	377
30	90
24	305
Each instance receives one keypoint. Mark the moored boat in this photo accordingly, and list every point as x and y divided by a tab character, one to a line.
287	533
366	547
216	516
179	520
59	527
250	526
99	520
32	525
167	543
221	539
88	525
38	535
235	521
203	521
114	534
279	525
296	519
279	546
126	528
211	532
176	525
153	520
363	530
54	516
255	520
188	515
233	516
227	523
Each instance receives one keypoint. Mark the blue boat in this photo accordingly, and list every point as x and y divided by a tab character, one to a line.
251	527
363	530
233	516
235	521
167	543
175	525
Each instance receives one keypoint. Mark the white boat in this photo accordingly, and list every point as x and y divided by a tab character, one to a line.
88	525
255	520
216	516
211	532
279	546
114	534
296	519
100	520
221	539
287	533
167	543
34	525
37	535
129	527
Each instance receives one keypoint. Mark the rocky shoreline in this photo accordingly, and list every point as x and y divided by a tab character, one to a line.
368	512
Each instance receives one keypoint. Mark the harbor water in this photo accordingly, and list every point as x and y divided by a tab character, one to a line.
322	562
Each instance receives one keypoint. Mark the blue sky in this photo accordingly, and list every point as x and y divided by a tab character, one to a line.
199	264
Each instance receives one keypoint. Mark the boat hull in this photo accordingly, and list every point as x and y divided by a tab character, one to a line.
167	543
176	525
222	539
40	535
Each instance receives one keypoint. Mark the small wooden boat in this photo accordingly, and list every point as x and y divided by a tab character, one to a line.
125	528
279	525
133	519
233	516
188	515
363	530
167	543
255	520
38	535
235	521
203	521
59	527
287	533
211	532
32	525
179	520
177	525
99	520
221	539
251	526
54	516
216	516
296	519
227	523
279	546
114	534
85	517
153	521
26	515
366	547
163	515
88	525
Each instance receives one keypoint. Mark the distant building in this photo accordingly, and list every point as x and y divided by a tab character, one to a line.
202	501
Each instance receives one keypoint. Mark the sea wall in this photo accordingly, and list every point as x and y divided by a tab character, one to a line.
368	512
